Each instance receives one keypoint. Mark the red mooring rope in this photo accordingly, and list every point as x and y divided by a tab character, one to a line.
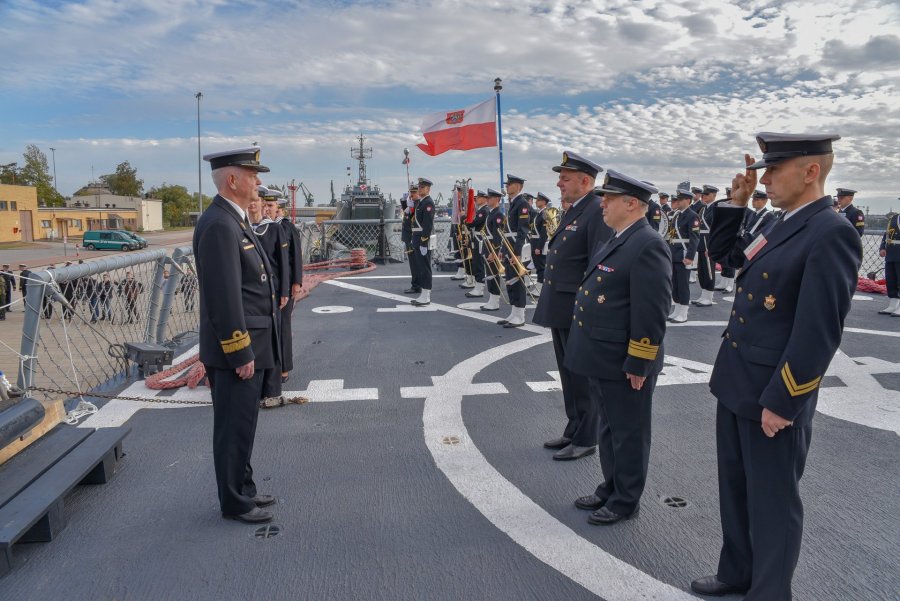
191	372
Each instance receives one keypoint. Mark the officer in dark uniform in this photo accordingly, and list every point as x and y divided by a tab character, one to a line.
238	327
618	324
890	250
759	216
854	215
580	232
421	242
654	212
409	208
664	205
683	239
10	280
492	240
475	229
706	269
518	216
539	236
697	204
295	275
794	291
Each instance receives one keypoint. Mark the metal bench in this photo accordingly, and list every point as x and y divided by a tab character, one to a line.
34	483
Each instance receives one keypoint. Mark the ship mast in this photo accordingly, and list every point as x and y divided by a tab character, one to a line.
361	153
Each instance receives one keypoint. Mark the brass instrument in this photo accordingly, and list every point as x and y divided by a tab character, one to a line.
551	220
493	264
663	228
516	263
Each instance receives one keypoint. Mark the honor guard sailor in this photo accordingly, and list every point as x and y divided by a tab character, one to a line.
793	293
854	216
683	239
616	341
477	228
539	236
664	205
409	209
238	327
295	274
492	242
706	268
422	242
890	250
518	216
580	232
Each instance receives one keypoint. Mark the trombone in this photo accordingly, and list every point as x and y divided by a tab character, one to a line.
493	265
516	263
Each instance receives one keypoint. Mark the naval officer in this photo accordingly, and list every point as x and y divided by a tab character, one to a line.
845	205
618	324
792	296
238	327
295	274
683	239
890	250
580	232
409	209
421	242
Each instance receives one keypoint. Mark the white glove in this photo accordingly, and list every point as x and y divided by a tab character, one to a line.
423	250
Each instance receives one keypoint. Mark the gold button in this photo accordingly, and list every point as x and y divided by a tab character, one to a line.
740	289
580	324
564	238
587	292
579	288
581	308
741	319
734	345
573	318
727	335
551	267
765	276
732	312
599	279
749	296
555	252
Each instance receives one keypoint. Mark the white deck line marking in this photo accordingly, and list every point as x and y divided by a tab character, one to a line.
446	308
383	277
865	401
408	308
552	385
861	297
875	332
690	323
506	506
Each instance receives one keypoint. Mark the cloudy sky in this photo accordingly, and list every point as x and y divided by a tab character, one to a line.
663	90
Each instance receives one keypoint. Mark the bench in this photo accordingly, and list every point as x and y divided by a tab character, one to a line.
34	483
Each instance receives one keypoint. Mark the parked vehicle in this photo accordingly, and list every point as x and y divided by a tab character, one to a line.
142	242
108	240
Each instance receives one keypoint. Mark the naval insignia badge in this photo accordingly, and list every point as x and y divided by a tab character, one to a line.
769	302
601	299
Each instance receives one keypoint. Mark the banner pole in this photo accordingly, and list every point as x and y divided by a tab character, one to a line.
497	88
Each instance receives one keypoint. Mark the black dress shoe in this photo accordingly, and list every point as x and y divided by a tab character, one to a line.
487	309
502	322
604	516
416	303
254	516
712	586
264	500
557	443
573	452
513	325
412	290
591	501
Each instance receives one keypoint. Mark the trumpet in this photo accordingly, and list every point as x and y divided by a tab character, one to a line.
493	265
515	262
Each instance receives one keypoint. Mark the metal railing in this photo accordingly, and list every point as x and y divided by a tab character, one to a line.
334	239
872	262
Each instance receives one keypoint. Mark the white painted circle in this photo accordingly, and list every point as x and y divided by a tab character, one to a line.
332	309
861	297
472	306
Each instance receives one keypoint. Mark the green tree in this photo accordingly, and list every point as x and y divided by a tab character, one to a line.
36	172
124	182
177	203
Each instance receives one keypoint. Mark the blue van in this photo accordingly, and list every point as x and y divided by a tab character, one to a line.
108	240
141	242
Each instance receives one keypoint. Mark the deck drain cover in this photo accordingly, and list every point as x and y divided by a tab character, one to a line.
451	440
675	502
267	531
420	363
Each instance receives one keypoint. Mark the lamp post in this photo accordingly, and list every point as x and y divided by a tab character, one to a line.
198	96
53	152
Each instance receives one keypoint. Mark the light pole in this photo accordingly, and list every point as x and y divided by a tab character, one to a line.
198	96
53	152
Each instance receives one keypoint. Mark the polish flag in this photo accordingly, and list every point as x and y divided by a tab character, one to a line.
464	129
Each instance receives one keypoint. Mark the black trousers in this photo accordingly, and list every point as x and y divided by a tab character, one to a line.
681	287
539	260
582	408
706	269
422	265
760	506
235	410
727	272
454	243
892	278
414	278
624	447
287	338
516	290
477	264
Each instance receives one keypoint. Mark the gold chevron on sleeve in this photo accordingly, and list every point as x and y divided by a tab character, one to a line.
643	349
793	388
238	341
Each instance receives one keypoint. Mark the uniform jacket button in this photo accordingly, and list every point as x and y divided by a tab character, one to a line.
734	345
749	296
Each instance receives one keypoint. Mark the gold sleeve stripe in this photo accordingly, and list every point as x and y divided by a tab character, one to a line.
285	245
248	246
238	341
792	387
643	349
860	224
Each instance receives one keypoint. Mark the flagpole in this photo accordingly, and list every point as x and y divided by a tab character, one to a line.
497	88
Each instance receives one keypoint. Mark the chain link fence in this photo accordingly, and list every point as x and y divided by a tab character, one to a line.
335	239
872	262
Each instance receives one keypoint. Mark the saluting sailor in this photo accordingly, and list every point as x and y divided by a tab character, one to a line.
518	216
421	242
890	250
706	268
492	241
580	232
618	324
475	239
793	295
406	235
854	216
238	327
684	239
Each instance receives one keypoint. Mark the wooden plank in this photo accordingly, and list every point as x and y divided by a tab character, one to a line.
54	414
24	468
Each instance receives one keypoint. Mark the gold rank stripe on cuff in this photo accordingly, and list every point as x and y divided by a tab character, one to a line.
792	387
238	341
643	349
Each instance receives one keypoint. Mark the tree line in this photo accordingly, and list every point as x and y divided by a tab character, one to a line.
177	201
